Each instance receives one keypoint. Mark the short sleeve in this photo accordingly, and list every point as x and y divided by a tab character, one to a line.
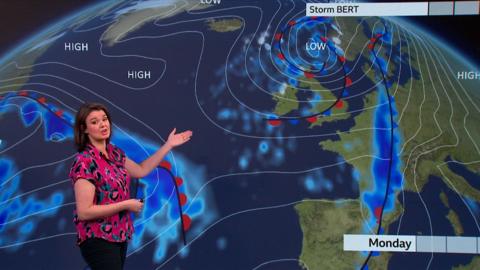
83	167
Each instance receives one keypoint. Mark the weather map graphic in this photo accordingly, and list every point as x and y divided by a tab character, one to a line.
309	130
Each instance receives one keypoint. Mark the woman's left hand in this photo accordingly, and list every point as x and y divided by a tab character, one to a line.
179	138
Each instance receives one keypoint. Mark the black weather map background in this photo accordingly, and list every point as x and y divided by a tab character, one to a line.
305	129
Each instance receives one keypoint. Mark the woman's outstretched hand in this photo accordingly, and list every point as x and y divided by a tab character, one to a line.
179	138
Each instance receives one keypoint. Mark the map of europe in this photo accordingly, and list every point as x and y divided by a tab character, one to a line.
306	129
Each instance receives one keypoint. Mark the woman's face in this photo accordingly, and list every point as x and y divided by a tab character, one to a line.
98	126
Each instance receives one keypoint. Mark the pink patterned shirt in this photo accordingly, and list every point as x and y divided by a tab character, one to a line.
112	184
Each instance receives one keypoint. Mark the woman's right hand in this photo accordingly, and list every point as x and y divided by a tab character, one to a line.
134	205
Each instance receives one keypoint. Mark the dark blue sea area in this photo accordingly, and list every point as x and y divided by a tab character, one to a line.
472	178
416	221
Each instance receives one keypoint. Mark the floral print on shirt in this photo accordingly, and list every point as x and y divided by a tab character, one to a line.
112	185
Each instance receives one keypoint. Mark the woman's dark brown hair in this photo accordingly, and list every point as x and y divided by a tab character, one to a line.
80	137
